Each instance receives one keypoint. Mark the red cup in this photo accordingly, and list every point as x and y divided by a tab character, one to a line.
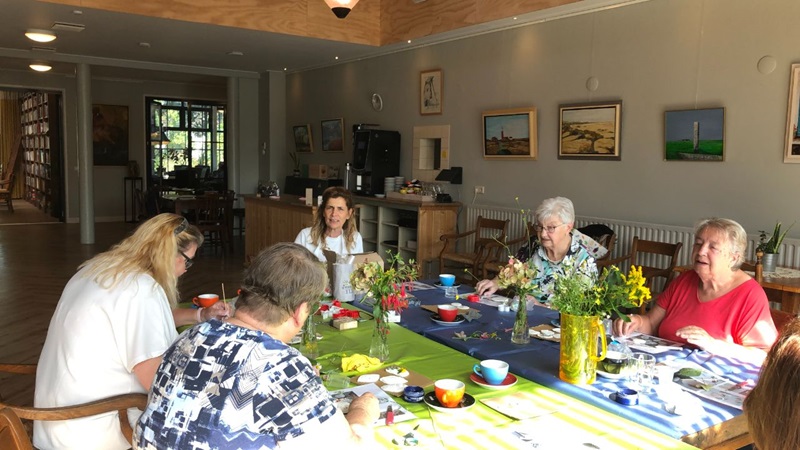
474	298
205	300
448	313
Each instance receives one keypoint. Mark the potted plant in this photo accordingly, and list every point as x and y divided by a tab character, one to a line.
772	246
295	162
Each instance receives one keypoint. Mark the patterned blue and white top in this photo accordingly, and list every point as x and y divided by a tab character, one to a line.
221	386
582	253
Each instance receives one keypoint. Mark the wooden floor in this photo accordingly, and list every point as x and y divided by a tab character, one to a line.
37	260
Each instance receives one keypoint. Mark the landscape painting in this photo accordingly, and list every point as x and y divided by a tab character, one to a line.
694	134
510	134
590	131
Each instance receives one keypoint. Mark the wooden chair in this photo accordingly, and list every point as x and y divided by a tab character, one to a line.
497	253
212	214
9	170
12	433
779	317
486	231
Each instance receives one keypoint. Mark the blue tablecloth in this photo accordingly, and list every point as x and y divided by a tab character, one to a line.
538	361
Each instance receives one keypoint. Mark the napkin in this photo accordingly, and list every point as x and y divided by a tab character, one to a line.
358	363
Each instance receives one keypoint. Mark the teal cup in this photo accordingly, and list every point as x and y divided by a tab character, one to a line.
493	371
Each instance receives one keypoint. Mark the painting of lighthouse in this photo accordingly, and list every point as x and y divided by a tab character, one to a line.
510	134
694	135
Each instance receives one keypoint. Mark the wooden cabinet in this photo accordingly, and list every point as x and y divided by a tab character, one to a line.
410	228
269	221
41	139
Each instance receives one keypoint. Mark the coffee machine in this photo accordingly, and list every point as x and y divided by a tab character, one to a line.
376	155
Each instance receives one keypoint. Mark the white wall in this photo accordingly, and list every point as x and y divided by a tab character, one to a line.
654	56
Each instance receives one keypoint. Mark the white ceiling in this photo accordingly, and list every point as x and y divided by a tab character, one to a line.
110	43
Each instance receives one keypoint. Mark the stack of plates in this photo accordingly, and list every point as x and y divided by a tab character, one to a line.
388	185
398	182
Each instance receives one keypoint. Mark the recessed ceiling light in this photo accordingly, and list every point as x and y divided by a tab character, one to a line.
144	44
235	53
40	35
336	57
515	18
285	68
409	41
77	12
40	67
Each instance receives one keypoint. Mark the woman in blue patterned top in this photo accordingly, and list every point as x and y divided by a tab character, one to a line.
238	385
556	247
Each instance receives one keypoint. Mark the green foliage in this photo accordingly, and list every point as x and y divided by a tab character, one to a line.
773	244
579	294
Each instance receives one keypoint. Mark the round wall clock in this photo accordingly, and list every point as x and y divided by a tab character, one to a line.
377	102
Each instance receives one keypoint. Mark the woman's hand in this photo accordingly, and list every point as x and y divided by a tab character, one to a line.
486	287
622	328
697	336
219	310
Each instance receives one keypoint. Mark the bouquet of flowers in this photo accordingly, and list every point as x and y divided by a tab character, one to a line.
387	288
579	294
518	276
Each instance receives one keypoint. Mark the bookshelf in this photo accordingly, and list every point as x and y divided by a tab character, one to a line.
41	138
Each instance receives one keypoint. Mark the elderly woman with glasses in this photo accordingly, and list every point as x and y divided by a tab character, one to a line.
115	319
716	306
238	384
556	248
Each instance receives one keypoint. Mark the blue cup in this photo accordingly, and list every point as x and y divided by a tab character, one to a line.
493	371
413	394
447	279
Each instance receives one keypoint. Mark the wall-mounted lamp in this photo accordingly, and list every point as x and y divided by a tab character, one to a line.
40	67
341	7
40	35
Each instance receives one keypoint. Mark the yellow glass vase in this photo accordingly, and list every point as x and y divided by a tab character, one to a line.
579	348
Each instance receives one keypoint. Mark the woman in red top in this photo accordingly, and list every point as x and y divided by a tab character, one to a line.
716	306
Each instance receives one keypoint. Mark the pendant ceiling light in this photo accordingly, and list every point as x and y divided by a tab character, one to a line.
40	67
40	35
341	7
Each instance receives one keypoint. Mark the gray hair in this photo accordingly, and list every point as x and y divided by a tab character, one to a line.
279	280
734	233
556	206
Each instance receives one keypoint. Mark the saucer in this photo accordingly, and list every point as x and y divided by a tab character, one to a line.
459	319
509	381
441	286
466	403
610	376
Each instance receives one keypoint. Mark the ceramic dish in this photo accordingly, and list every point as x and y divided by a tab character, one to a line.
610	376
509	381
441	286
459	319
466	403
380	195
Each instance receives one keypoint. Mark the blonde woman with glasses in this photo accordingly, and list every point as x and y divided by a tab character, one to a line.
115	319
556	247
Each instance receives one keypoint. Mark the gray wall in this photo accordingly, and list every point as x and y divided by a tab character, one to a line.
654	56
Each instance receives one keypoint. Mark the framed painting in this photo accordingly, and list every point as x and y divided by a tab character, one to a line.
791	152
694	134
430	92
110	135
510	134
333	135
590	131
302	139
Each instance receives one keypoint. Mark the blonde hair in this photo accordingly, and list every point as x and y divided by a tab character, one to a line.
151	250
773	406
733	232
279	280
319	227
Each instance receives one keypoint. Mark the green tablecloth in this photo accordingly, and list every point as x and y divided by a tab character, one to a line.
481	427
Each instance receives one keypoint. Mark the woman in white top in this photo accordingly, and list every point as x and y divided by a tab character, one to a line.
334	227
115	319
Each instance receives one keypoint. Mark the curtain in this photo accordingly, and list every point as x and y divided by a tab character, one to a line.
10	127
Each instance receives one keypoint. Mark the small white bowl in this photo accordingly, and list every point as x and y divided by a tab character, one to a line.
380	195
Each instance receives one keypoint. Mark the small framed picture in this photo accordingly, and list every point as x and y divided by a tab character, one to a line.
302	139
333	135
590	131
430	92
510	134
694	135
792	151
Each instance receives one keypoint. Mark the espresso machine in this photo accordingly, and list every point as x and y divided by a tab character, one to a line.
376	155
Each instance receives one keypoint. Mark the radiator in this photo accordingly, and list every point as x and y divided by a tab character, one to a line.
789	255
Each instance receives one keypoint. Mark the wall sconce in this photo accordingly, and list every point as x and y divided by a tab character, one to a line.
40	67
341	7
40	35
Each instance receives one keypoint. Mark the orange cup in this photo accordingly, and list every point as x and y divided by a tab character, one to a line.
449	392
205	300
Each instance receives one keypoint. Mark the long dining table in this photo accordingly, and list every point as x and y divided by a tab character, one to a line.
714	425
549	419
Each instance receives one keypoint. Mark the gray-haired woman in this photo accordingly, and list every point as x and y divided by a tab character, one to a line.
237	384
556	247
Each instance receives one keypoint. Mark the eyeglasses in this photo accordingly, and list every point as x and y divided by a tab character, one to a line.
550	229
187	261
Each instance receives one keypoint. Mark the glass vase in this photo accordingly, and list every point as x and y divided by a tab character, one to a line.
379	346
309	339
578	358
520	333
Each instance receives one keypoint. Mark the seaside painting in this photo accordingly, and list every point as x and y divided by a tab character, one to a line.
510	134
590	131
